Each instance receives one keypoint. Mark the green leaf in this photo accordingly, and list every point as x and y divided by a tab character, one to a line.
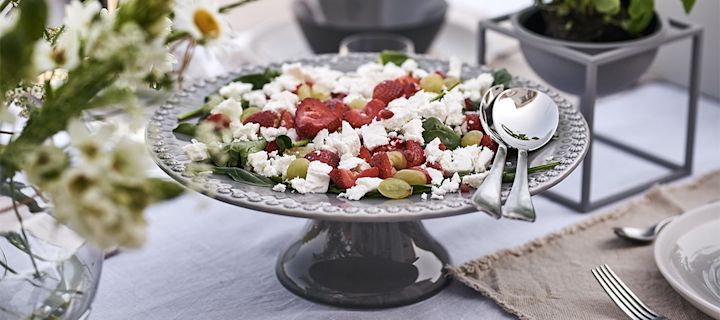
301	143
640	13
210	102
244	148
509	173
688	5
390	56
32	20
186	129
258	80
245	176
20	197
17	45
607	6
433	128
503	77
162	189
283	142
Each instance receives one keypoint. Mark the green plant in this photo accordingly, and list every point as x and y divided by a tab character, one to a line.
599	20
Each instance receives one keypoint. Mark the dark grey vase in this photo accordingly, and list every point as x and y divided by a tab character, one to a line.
568	75
364	264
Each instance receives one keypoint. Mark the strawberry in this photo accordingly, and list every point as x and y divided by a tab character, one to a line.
313	116
324	156
468	104
264	119
388	90
442	147
488	142
369	173
286	119
395	144
219	120
424	171
365	154
464	187
271	146
385	114
342	178
473	121
382	162
337	106
414	153
339	95
410	85
440	73
357	118
373	107
435	165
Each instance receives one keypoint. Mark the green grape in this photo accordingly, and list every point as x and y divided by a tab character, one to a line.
298	168
358	103
412	177
298	151
432	83
248	112
395	188
320	95
451	82
304	91
397	159
471	138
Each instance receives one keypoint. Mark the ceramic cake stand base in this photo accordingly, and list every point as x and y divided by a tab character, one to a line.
364	264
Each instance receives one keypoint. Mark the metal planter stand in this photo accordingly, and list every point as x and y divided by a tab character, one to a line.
676	31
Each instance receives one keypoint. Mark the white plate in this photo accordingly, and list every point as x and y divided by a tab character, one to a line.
687	252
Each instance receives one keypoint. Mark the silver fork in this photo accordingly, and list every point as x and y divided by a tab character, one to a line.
623	297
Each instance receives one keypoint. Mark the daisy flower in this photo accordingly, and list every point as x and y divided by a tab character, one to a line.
201	19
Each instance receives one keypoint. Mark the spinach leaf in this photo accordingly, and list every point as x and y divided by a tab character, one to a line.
245	176
283	142
503	77
390	56
433	128
210	102
244	148
258	80
186	128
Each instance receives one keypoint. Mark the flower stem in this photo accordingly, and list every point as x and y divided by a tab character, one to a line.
231	6
22	228
4	4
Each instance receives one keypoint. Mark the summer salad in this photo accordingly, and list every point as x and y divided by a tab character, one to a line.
388	129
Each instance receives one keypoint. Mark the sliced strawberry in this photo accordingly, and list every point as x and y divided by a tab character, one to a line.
410	85
382	162
338	106
342	178
473	121
395	144
357	118
264	119
313	116
486	141
414	153
373	107
385	114
440	73
435	165
468	104
286	120
365	154
369	173
271	146
219	120
324	156
421	169
388	90
464	187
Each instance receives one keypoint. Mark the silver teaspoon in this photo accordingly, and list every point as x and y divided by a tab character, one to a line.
645	235
487	195
525	119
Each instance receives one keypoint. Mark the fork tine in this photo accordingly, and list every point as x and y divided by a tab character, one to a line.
622	295
609	289
632	295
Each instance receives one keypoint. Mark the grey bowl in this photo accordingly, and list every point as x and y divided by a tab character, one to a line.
325	34
568	148
568	75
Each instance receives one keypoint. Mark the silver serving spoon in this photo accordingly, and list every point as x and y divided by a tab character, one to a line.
645	235
487	195
525	119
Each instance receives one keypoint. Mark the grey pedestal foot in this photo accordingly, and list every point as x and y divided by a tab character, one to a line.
363	264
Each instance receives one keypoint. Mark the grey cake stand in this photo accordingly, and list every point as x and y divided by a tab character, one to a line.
372	253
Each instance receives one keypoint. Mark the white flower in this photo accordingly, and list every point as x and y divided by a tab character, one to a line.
79	15
89	145
201	19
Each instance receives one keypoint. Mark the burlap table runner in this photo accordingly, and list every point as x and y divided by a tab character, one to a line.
549	278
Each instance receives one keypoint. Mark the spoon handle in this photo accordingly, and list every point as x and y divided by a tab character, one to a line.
518	204
487	196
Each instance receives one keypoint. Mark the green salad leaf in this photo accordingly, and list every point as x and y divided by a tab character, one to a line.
244	176
283	142
258	80
509	173
503	77
238	151
186	128
434	128
390	56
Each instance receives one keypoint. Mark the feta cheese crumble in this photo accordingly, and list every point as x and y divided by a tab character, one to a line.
361	188
196	151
